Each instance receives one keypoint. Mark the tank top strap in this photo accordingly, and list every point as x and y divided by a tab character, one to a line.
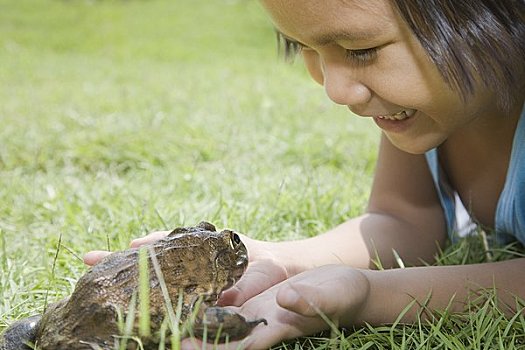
510	211
445	191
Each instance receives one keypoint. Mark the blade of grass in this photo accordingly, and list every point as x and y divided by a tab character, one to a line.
130	321
53	270
144	302
173	318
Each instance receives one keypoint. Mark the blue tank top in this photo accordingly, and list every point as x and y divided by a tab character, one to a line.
510	210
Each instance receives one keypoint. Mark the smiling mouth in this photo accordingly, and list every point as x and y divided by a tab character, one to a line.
405	114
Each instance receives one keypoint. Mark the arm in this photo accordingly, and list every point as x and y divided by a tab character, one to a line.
390	291
349	296
404	214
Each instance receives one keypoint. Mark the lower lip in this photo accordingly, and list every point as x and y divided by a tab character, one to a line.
395	126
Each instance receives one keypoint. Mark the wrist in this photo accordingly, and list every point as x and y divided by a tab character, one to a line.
259	250
292	256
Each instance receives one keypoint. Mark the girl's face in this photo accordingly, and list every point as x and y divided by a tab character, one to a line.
367	58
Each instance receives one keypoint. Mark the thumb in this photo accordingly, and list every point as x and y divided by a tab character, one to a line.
332	291
303	299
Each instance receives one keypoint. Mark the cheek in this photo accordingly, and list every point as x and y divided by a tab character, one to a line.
313	65
406	78
415	74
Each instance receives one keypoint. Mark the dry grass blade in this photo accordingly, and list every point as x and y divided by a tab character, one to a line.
174	319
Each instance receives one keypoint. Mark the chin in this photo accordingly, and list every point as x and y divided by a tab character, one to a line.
419	145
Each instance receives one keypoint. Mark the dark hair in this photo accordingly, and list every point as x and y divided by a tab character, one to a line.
468	41
472	40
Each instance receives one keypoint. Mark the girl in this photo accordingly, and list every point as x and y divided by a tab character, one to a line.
444	81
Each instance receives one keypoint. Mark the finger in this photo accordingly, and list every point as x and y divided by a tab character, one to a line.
259	276
150	238
93	257
191	344
197	344
329	290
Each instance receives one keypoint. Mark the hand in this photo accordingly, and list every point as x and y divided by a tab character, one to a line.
264	271
294	308
93	257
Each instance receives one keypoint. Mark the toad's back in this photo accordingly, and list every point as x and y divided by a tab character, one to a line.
197	261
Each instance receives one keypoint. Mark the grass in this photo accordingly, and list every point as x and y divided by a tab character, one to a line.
124	117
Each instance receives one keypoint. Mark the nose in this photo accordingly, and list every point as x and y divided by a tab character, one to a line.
342	87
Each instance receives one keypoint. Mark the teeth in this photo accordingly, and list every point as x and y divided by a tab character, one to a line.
410	112
398	116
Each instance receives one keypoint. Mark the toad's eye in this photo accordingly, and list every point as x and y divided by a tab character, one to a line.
235	240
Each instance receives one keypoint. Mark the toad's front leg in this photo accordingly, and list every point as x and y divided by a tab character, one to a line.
221	324
20	334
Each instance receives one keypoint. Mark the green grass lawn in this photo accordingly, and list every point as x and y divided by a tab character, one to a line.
119	118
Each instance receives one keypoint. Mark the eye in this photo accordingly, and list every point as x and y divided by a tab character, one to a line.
362	56
235	240
288	47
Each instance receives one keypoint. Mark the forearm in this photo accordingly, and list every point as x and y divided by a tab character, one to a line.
360	242
437	288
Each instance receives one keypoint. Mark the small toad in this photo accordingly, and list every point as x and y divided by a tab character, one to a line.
198	262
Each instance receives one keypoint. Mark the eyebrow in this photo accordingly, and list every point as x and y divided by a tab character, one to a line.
326	38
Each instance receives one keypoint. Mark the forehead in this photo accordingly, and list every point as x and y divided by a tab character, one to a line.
322	18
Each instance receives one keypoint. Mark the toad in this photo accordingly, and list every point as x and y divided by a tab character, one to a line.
195	264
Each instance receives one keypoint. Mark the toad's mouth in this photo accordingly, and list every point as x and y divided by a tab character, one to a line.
402	115
240	266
